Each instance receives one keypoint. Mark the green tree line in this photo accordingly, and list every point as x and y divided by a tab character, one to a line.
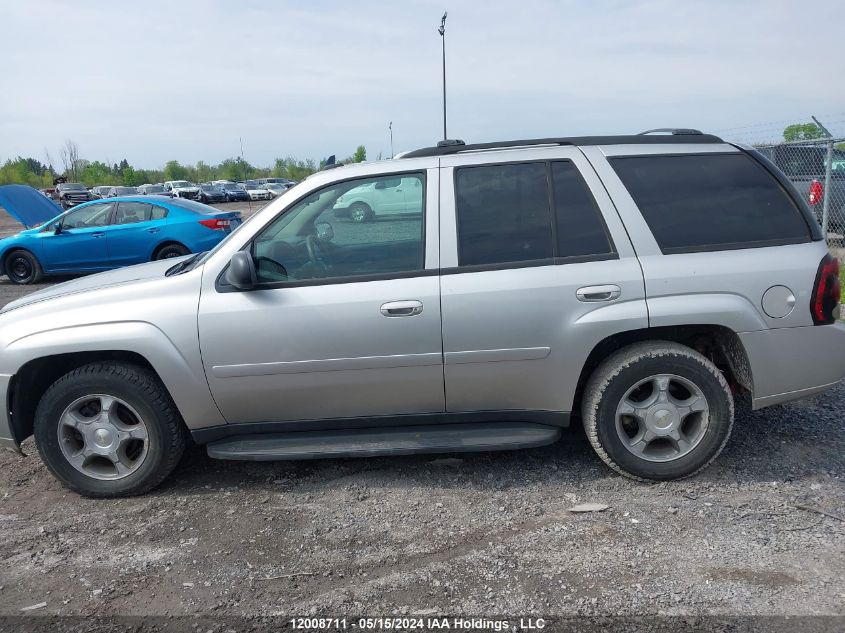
32	172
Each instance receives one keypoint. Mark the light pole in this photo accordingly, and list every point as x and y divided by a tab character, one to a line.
390	127
442	31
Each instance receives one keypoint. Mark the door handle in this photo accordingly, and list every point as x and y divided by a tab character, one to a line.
402	308
152	230
590	294
98	234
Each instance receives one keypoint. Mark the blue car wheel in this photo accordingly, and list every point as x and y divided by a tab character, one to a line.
22	267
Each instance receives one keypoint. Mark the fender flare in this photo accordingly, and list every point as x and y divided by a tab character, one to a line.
183	376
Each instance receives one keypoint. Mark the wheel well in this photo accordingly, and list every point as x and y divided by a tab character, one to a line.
10	250
718	343
36	376
166	244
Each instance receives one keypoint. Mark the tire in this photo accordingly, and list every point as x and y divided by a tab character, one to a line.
22	267
632	397
136	394
170	251
360	212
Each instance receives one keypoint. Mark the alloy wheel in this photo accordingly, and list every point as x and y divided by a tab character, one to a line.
662	418
103	437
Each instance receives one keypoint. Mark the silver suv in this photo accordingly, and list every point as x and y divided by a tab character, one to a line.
640	284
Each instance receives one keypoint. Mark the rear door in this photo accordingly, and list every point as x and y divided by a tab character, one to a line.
81	243
536	269
134	232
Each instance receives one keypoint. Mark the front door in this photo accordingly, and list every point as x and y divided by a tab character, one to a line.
537	270
81	243
344	321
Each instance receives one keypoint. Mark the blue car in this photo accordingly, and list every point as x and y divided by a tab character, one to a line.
103	234
234	193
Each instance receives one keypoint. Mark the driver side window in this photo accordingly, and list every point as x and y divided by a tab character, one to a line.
344	230
87	217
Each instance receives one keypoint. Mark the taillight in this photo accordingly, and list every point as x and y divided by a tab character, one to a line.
816	192
216	224
825	301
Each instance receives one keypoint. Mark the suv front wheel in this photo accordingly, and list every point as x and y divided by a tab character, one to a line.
109	430
657	411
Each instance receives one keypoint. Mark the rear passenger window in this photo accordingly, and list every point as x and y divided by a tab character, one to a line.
710	202
159	212
579	226
503	214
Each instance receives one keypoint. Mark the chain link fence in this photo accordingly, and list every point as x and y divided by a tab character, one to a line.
817	169
815	166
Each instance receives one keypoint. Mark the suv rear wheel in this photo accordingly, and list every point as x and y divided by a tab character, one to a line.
657	410
109	430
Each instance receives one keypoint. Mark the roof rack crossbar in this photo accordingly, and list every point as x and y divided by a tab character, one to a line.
674	131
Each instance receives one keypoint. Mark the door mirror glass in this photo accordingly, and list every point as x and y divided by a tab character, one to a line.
241	273
57	228
324	231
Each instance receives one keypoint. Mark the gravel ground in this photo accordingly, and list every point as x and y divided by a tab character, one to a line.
762	531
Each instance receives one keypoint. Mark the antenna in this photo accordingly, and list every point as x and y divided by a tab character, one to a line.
390	127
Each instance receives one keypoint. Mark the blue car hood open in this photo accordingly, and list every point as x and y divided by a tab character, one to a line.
27	205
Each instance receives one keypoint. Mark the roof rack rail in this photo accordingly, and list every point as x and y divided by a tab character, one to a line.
674	131
446	148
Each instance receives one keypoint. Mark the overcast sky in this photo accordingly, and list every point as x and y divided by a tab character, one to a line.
152	81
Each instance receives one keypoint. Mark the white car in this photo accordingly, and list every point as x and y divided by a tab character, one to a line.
182	189
256	191
393	196
275	188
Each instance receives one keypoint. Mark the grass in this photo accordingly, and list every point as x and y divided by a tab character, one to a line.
842	277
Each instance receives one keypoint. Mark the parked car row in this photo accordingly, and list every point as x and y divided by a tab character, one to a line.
70	194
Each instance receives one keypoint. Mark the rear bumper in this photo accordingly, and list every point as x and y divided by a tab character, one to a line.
792	363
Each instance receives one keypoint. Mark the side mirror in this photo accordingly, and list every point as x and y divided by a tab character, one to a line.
324	231
57	229
241	273
380	185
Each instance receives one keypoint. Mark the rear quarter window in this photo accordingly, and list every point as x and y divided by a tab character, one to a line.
710	202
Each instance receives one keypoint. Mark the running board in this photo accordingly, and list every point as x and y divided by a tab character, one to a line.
407	440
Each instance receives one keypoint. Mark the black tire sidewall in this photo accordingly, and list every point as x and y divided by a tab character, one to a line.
33	263
161	254
718	400
56	400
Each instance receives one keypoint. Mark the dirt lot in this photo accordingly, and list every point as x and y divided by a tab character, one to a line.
762	531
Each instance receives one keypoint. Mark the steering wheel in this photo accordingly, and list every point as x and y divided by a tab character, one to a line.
317	254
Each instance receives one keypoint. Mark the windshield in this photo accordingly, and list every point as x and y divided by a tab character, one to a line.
181	183
154	189
213	188
73	186
125	190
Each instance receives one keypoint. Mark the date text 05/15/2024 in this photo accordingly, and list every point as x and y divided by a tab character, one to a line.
415	623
